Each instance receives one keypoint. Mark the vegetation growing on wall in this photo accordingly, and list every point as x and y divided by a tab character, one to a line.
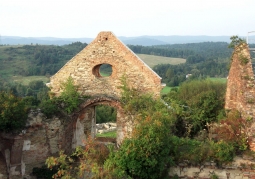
67	102
154	146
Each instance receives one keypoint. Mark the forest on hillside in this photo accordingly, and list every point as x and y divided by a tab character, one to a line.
207	59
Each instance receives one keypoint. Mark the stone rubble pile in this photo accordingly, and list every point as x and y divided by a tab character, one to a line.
106	127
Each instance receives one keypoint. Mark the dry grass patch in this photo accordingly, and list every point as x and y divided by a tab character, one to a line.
153	60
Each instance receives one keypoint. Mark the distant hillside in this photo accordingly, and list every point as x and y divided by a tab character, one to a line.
11	40
140	40
143	41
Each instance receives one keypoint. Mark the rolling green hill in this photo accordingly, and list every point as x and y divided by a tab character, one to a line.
33	62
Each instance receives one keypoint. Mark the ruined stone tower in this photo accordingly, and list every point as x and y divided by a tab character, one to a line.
240	94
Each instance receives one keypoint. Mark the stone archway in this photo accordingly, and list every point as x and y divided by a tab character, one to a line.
84	69
85	120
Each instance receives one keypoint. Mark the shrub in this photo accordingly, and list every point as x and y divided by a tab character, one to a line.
49	107
82	163
13	112
69	98
197	152
202	101
234	129
147	153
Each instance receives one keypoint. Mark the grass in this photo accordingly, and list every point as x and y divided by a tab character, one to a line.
165	90
153	60
222	80
25	80
111	134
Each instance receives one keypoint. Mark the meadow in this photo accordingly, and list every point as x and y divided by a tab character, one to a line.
153	60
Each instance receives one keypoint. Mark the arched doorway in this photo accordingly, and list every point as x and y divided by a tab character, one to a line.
86	120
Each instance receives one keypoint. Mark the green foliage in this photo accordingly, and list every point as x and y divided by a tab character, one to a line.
197	152
223	151
13	113
31	102
243	59
105	114
36	60
235	41
90	158
69	99
147	153
49	107
235	130
197	103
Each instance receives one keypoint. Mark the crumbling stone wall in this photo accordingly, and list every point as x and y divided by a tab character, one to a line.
240	94
42	138
84	68
241	168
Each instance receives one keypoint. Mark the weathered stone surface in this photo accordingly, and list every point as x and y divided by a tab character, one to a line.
237	169
45	137
107	49
240	94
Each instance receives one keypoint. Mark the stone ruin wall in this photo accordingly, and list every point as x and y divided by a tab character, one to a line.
240	94
108	49
46	137
42	138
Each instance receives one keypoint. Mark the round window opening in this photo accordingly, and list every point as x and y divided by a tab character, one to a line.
102	70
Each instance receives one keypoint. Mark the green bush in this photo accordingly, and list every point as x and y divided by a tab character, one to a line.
197	103
49	107
68	100
13	112
196	152
147	153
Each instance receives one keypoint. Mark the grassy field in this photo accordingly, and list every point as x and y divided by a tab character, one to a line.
152	60
112	134
223	80
165	90
26	79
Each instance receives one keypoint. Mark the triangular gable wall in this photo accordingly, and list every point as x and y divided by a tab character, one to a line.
107	49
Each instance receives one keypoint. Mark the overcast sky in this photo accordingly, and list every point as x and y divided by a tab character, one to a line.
86	18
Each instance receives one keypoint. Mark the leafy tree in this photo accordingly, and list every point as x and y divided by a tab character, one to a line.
105	114
201	102
147	153
13	112
235	41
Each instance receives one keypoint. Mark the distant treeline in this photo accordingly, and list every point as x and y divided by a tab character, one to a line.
202	50
29	60
207	59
